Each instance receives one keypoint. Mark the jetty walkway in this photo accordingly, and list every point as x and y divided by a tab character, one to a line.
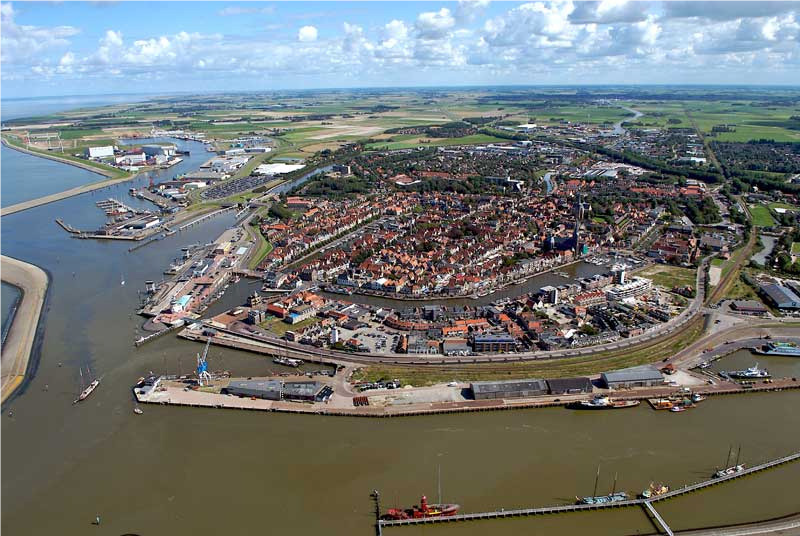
647	504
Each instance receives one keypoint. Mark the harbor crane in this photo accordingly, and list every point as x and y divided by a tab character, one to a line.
202	366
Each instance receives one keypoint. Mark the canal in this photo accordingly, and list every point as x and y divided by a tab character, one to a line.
178	470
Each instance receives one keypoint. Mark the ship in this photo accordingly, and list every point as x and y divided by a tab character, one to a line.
287	361
731	469
750	373
779	348
89	388
422	511
603	402
654	491
614	496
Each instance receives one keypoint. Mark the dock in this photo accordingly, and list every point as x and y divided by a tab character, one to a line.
647	504
203	218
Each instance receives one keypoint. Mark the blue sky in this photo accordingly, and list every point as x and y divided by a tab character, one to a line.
89	48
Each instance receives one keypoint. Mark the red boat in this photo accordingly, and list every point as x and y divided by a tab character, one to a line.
423	510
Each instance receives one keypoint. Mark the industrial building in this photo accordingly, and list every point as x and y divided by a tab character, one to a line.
100	152
569	386
266	389
302	391
749	307
641	376
508	389
780	296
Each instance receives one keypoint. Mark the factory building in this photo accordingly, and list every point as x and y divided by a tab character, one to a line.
302	391
159	150
641	376
780	296
105	151
266	389
508	389
569	386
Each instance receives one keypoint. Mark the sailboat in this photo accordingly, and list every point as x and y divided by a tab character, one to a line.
614	496
733	469
89	388
122	277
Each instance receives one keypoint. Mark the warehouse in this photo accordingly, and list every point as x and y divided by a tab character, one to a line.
568	386
780	296
303	391
508	389
641	376
266	389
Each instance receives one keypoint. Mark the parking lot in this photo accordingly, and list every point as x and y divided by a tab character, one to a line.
375	340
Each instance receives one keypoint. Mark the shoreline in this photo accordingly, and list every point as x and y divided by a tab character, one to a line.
16	353
72	192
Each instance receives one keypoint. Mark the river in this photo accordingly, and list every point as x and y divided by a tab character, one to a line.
179	470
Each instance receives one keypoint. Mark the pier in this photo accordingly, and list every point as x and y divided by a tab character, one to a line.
203	218
647	504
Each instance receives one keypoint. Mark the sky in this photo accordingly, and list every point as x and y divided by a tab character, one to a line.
74	48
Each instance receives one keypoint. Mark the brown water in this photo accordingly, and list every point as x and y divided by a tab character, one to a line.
193	471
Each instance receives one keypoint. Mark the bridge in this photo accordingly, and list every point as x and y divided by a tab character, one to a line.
647	504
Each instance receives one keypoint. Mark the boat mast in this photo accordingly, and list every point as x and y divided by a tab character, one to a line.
614	487
737	456
596	480
728	459
440	483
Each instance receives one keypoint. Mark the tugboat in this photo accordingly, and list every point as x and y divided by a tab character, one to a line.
603	402
654	491
750	373
423	510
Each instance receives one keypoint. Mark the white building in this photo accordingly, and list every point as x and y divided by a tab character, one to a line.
100	152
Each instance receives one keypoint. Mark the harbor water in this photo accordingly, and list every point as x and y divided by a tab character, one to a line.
181	470
9	300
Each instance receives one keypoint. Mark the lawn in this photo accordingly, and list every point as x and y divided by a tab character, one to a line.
668	277
761	216
279	327
436	142
795	248
264	247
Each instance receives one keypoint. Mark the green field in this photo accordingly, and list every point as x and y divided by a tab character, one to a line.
761	216
795	248
668	276
435	142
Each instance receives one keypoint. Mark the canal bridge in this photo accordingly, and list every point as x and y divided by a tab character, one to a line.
647	504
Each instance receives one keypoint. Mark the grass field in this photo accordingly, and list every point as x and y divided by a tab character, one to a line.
795	248
279	327
546	368
419	141
669	276
761	216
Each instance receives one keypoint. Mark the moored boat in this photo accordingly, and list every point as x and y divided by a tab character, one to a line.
604	402
422	511
603	499
654	491
287	361
779	348
750	373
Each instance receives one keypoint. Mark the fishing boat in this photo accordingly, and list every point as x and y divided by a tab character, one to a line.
604	402
750	373
89	388
654	491
731	469
614	496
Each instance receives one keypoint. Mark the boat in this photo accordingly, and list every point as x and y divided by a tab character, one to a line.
661	403
603	402
779	348
704	365
422	511
287	361
677	409
89	388
654	491
731	469
614	496
137	411
750	373
697	397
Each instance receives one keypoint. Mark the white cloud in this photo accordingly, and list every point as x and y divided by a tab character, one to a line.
307	34
22	42
435	24
241	10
